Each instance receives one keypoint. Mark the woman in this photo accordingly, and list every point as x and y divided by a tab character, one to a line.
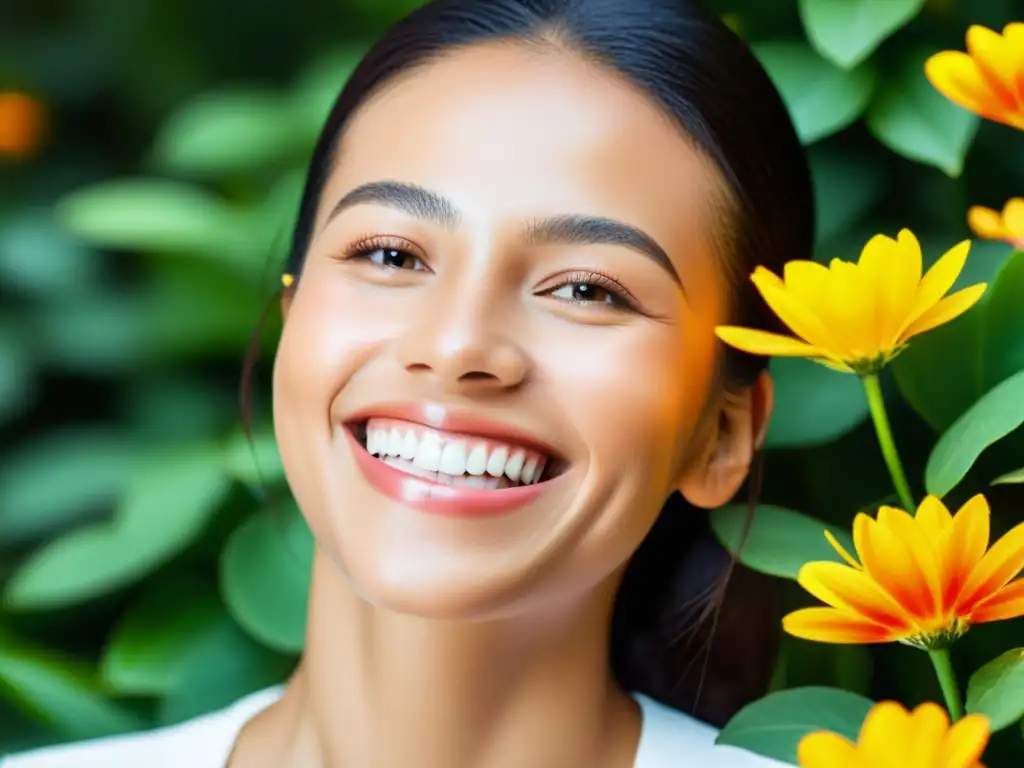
501	406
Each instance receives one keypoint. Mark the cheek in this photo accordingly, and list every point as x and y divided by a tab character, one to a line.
635	394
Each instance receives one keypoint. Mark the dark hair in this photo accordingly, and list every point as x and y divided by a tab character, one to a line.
704	77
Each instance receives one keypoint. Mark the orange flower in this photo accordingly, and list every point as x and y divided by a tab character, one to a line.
21	124
988	79
922	580
991	225
892	737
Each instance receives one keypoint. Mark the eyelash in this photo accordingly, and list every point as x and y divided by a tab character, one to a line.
622	299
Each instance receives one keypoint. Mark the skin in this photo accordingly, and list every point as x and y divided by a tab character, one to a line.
442	642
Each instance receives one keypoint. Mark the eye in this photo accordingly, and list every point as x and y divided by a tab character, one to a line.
593	288
391	258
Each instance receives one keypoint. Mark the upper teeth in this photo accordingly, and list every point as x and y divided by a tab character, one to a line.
456	456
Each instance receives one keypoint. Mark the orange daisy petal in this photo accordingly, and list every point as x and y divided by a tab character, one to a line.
933	517
1006	603
829	625
964	545
852	591
986	223
927	732
956	76
893	567
995	569
988	49
885	729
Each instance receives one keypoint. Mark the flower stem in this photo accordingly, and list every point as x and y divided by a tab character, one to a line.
947	680
885	441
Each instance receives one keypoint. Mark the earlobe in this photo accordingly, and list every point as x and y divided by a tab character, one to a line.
742	427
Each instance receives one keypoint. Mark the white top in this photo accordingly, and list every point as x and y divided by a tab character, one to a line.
668	739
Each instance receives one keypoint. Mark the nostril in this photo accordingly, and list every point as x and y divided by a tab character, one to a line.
477	376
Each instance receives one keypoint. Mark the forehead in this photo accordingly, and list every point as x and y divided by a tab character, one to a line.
510	130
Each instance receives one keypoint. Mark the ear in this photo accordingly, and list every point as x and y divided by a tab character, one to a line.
737	431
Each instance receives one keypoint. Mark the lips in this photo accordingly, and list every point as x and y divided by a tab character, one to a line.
439	461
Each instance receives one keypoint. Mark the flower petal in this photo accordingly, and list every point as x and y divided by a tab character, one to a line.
934	518
1013	213
842	550
905	529
1000	564
988	49
884	732
764	342
822	749
799	317
948	309
852	591
966	741
963	546
955	75
888	561
846	305
805	280
986	223
938	280
828	625
927	731
1006	603
894	273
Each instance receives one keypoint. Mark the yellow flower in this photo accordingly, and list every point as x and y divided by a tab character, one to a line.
857	317
921	580
892	737
988	79
1007	226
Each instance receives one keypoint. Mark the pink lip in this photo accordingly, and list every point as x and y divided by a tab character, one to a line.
439	498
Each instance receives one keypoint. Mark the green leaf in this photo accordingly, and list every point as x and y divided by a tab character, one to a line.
1003	336
320	85
149	646
998	413
166	506
39	259
813	405
846	186
154	215
227	132
51	481
780	541
821	98
997	690
59	693
265	577
848	31
15	376
773	726
916	121
938	390
222	667
1010	478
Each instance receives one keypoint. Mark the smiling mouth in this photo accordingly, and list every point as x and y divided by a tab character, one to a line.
471	461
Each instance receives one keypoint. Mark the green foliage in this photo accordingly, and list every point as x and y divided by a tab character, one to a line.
995	415
779	541
774	725
150	553
997	690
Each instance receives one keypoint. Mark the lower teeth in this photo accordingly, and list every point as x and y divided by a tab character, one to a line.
486	482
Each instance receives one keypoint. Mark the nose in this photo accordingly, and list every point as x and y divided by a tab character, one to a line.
464	343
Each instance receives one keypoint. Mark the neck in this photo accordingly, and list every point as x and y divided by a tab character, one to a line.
378	688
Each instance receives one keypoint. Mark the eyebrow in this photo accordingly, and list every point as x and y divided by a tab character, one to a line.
570	229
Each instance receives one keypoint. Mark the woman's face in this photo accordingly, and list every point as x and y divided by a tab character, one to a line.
513	255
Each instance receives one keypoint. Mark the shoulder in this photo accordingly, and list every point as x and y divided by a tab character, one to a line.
204	742
670	739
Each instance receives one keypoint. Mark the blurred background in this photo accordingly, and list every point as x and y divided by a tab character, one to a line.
151	158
